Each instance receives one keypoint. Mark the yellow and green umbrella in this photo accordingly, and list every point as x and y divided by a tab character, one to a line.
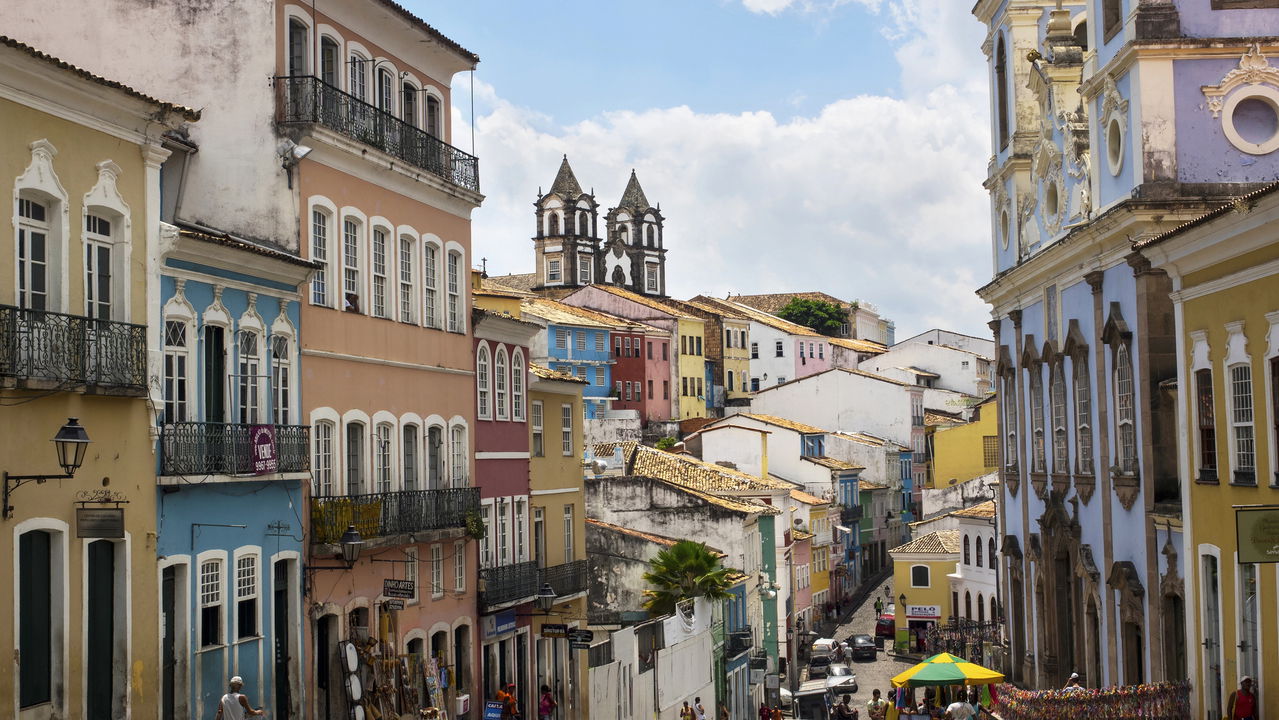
947	669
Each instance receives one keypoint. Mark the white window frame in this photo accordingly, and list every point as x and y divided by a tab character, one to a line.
537	443
322	448
501	385
176	371
520	546
248	589
483	383
1085	454
459	566
1243	419
211	594
321	224
26	268
281	379
501	514
412	574
410	456
1125	410
352	264
1057	397
383	457
561	339
569	518
249	376
430	285
454	279
377	267
408	292
566	429
437	570
95	243
579	340
357	78
458	456
554	271
584	269
518	381
39	183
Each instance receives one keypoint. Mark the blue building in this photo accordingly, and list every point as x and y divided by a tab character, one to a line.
232	466
733	679
576	341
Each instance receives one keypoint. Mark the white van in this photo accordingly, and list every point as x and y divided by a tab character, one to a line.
825	647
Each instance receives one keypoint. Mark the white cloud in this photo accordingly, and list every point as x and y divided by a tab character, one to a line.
777	7
875	198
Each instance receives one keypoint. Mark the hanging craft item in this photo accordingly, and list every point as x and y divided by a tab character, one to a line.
1158	700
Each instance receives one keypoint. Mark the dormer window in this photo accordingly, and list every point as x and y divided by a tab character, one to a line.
814	445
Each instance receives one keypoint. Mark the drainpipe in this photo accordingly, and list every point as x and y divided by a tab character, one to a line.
763	456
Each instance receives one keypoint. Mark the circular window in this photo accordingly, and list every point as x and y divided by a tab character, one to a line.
1051	207
1250	120
1003	229
1115	145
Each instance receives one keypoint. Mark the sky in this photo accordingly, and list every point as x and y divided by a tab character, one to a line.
832	145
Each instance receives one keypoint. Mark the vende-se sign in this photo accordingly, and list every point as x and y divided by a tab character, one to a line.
923	611
264	459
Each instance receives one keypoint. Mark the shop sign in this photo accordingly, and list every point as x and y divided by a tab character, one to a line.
923	611
1257	532
393	604
579	645
554	630
581	636
492	710
264	459
99	522
398	588
504	622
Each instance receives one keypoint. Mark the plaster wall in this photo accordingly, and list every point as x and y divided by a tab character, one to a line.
841	401
1201	20
1206	155
960	371
768	367
979	345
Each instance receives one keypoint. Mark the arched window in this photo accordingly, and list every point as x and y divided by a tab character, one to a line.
382	458
329	55
517	387
177	387
385	91
1057	390
482	376
435	458
967	558
408	104
249	382
1038	460
409	455
281	404
358	86
1124	410
355	458
977	549
1083	413
583	224
99	280
624	234
433	126
990	556
981	609
968	605
500	384
458	461
430	285
298	47
1001	92
552	224
322	467
730	386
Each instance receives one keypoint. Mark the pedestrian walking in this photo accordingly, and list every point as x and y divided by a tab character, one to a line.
546	704
699	711
879	607
510	705
686	712
723	711
1242	704
764	712
777	713
235	704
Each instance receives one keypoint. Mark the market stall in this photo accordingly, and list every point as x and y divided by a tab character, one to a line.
941	671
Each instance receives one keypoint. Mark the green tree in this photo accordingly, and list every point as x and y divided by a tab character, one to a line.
826	318
684	570
665	443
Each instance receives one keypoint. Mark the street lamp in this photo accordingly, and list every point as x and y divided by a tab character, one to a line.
351	544
545	598
70	441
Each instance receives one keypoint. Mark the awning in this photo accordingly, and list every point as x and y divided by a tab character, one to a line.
843	529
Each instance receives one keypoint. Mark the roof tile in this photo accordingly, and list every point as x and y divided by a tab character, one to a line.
941	542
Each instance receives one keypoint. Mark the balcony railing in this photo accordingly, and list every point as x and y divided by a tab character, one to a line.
567	579
307	99
736	643
199	448
392	513
508	583
850	515
37	345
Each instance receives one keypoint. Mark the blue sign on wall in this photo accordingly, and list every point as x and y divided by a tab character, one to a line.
492	710
505	622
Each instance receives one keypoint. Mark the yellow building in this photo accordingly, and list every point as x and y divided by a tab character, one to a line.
964	452
1224	269
76	286
920	574
558	503
824	517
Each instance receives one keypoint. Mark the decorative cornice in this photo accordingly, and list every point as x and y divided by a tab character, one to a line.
1253	69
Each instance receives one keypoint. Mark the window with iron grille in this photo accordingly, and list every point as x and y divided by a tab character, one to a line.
1083	414
1241	416
990	450
1125	411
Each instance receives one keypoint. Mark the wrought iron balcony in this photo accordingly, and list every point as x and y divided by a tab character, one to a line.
38	348
392	513
850	515
567	579
508	583
306	99
199	448
736	643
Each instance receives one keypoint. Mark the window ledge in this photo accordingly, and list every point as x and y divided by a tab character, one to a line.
1207	476
1242	478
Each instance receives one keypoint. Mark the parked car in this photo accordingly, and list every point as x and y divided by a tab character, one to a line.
817	666
841	679
825	647
862	647
885	627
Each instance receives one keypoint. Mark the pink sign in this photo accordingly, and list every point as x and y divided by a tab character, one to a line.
264	460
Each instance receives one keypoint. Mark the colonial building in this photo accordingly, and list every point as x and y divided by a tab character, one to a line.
578	342
780	350
864	321
78	291
571	252
728	353
1226	304
1100	140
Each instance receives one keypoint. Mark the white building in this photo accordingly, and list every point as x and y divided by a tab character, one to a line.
781	351
974	585
982	346
847	401
962	371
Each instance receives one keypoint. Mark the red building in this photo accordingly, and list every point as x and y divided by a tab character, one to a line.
634	386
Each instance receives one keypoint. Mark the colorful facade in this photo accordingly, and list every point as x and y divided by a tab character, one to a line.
578	342
963	452
77	296
920	574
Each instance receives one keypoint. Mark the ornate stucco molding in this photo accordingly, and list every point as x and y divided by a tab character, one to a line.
1253	69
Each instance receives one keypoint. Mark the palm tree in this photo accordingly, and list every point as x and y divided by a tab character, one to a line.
684	570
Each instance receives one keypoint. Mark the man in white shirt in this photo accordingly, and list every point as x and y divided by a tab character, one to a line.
960	710
235	705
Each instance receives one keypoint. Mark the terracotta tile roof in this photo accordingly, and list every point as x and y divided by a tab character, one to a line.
421	25
523	281
807	498
561	314
919	372
798	535
834	464
227	240
985	510
941	542
189	114
761	317
868	439
713	483
650	537
670	307
870	485
718	310
484	313
941	417
489	286
548	374
870	375
1241	203
867	346
783	423
773	302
